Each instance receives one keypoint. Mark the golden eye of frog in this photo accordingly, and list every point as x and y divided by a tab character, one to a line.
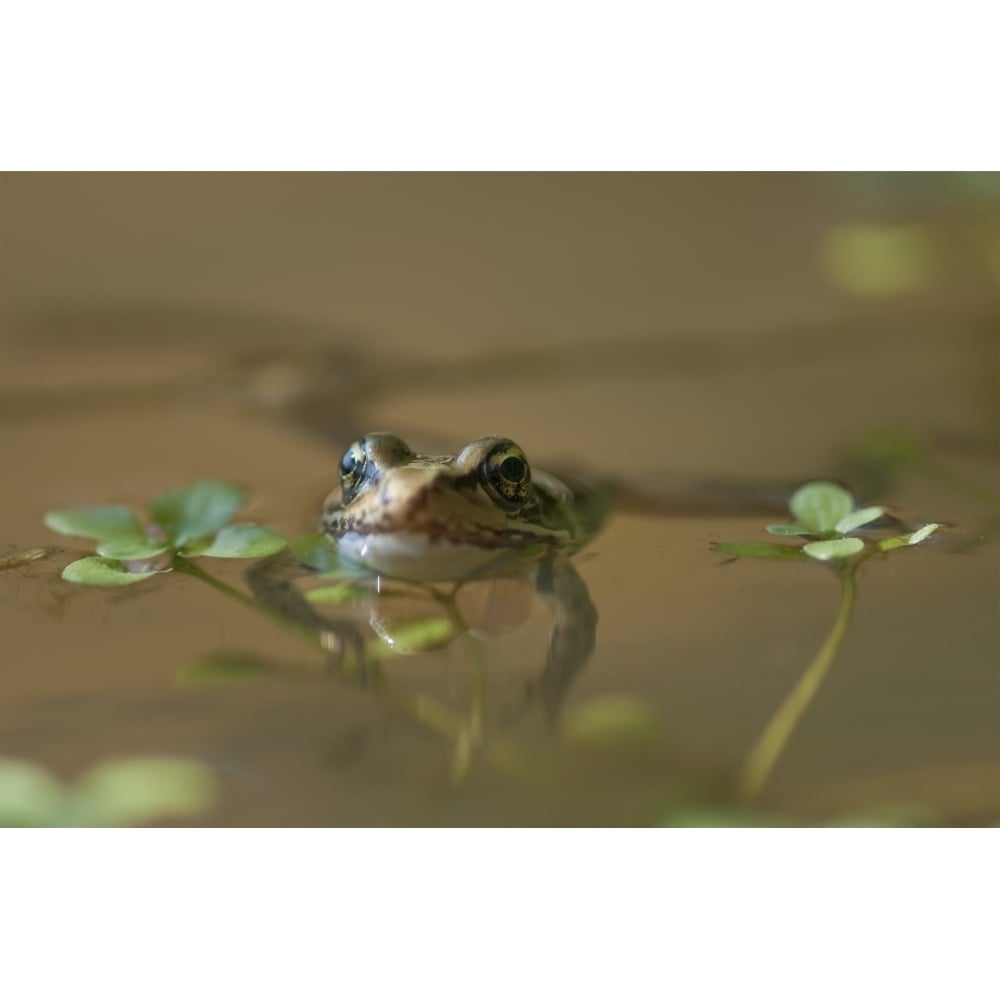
438	517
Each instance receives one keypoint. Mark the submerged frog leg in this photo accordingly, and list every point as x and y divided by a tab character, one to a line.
271	582
573	635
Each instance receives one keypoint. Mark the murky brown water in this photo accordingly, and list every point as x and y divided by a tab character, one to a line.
662	330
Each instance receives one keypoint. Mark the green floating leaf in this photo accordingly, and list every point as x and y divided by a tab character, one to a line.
226	668
94	571
102	523
413	636
341	593
194	547
196	510
858	519
833	548
788	529
611	720
758	550
820	505
137	790
923	533
914	538
131	549
897	542
29	795
244	541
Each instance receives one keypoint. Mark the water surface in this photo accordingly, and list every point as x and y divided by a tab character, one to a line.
249	329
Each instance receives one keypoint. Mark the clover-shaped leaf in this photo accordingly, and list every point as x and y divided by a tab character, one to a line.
104	524
193	511
820	506
93	571
858	519
132	549
824	513
190	521
244	541
833	548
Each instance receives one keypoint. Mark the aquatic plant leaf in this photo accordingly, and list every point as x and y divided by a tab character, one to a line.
340	593
611	720
29	795
820	505
136	790
758	550
788	529
226	667
867	259
104	524
413	636
923	533
896	542
858	519
317	552
196	510
93	571
833	548
194	547
244	541
129	549
914	538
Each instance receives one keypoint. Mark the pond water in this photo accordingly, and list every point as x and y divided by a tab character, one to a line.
679	334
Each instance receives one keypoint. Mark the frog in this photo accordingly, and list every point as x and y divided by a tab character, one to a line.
484	511
443	517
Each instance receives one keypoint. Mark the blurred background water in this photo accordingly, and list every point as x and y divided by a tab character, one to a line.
661	329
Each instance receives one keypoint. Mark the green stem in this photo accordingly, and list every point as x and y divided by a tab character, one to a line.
469	733
182	565
772	742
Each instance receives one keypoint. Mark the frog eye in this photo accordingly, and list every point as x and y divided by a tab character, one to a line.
506	472
352	468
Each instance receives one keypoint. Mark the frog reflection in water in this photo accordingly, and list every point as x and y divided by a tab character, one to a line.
482	513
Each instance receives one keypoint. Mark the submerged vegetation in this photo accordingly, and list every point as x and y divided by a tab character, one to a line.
832	526
184	524
128	791
605	733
